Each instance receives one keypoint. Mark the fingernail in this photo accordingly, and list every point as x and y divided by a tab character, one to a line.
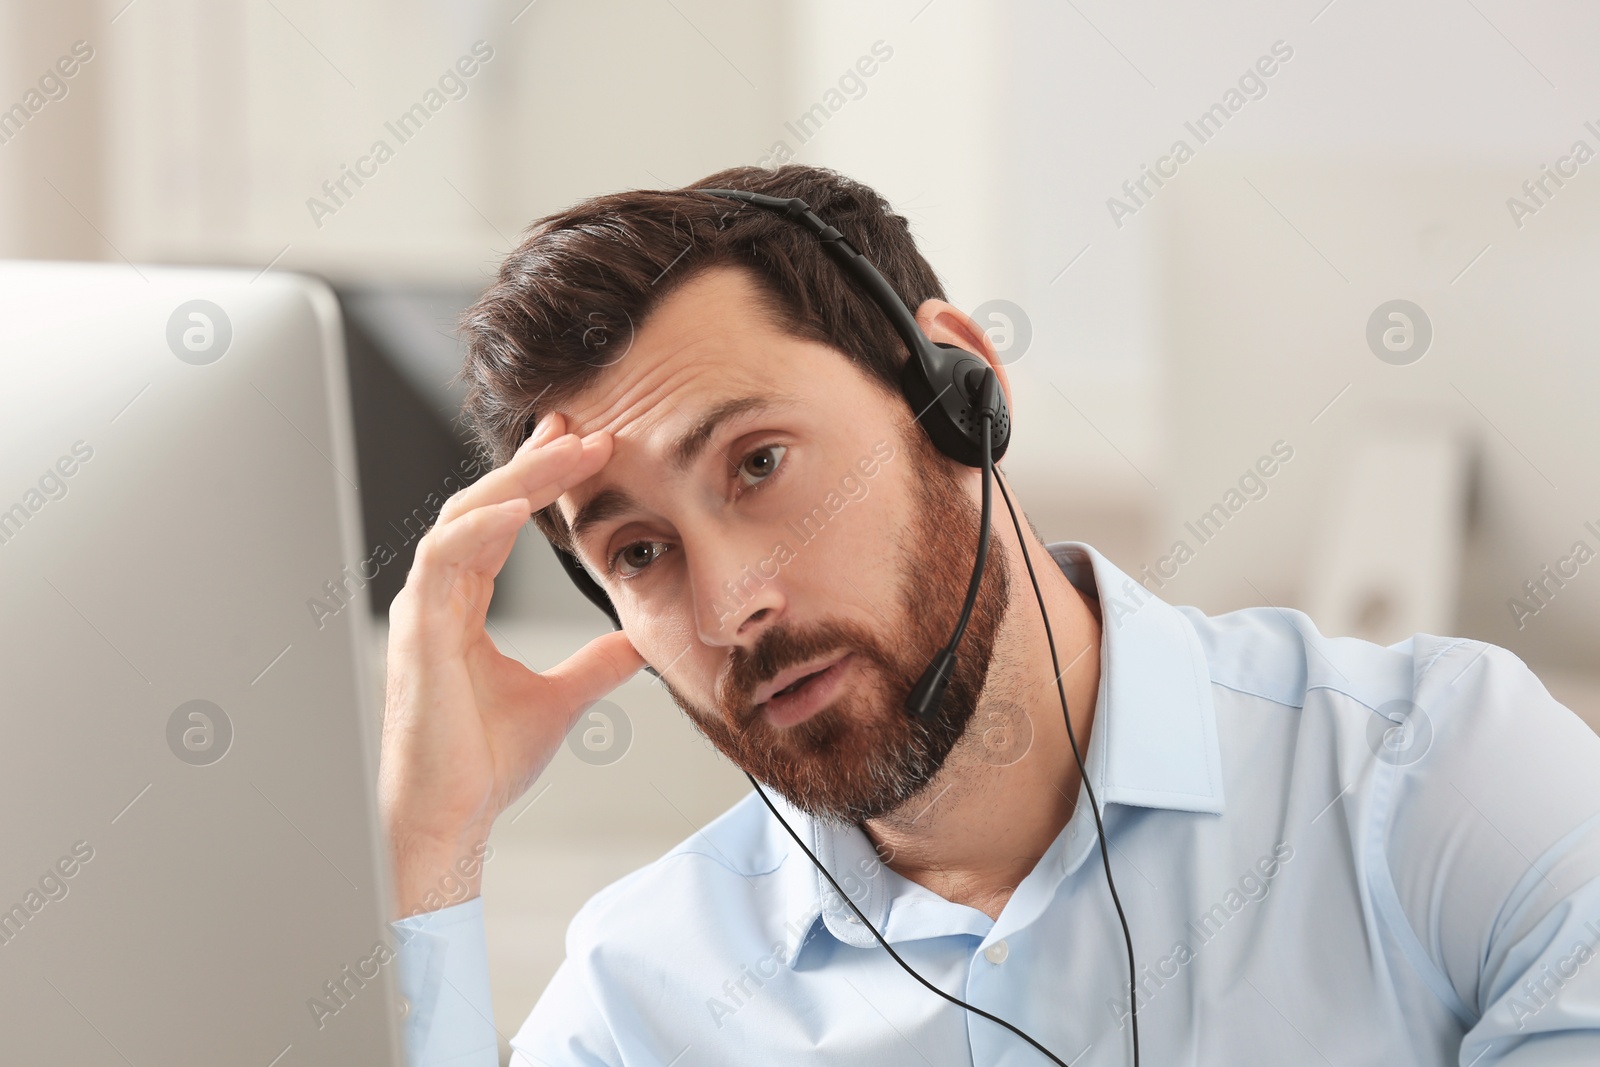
541	431
546	426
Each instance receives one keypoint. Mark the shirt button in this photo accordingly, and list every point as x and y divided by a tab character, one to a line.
405	1007
997	952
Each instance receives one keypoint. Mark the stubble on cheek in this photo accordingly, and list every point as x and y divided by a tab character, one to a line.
863	756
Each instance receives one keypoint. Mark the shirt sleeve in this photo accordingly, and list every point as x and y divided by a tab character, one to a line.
444	977
1494	852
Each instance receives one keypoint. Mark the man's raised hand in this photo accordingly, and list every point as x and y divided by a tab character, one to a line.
467	730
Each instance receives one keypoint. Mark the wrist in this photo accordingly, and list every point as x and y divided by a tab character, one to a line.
430	873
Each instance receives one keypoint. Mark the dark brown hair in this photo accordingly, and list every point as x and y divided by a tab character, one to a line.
568	300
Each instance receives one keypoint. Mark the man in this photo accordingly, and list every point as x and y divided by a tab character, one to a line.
1326	850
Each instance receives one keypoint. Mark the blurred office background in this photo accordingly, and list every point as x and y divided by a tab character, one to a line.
1177	322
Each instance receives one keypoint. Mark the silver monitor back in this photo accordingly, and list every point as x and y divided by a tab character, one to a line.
192	870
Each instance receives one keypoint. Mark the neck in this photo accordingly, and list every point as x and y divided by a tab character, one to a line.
1010	784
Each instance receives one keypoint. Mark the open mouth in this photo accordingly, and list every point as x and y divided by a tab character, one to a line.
806	695
795	686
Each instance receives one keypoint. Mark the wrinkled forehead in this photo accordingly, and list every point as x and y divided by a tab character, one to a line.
654	396
716	335
669	403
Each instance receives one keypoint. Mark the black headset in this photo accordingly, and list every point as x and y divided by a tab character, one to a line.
943	383
958	402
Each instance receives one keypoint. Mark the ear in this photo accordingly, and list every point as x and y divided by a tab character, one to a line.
945	323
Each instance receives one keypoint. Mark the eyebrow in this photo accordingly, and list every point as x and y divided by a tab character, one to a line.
681	454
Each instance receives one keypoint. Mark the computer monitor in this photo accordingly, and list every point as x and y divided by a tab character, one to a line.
193	870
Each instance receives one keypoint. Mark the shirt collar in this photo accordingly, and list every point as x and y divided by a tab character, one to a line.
1155	728
1153	744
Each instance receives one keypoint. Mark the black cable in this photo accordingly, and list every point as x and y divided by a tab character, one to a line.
886	947
1077	754
1094	804
983	545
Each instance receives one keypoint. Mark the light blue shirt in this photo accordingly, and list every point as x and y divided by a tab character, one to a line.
1329	852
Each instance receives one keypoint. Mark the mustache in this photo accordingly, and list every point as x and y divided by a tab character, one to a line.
779	649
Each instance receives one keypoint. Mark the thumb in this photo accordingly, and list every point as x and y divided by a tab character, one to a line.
594	670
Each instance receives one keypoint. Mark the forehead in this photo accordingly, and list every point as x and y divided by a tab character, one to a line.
710	350
713	337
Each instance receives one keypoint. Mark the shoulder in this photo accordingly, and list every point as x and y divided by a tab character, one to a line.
648	956
1493	744
1280	655
1460	799
1470	698
725	870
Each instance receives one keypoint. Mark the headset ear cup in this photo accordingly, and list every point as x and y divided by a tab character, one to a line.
592	590
586	584
934	382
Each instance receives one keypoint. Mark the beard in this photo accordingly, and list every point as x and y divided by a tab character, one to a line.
863	756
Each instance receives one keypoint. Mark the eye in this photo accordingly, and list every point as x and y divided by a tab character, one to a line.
757	467
760	464
630	560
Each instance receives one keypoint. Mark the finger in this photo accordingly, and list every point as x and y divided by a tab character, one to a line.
547	430
553	425
540	474
477	542
545	460
593	671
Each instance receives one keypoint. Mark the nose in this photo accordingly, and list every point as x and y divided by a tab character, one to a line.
736	588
